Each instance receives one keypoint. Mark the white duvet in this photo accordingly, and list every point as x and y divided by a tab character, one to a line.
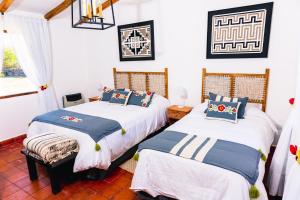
138	122
160	173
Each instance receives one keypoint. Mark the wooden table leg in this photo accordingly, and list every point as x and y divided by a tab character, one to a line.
54	181
31	168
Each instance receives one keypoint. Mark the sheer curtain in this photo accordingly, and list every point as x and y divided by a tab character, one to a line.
1	41
283	161
31	40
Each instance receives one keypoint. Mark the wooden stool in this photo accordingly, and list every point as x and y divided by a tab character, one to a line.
53	169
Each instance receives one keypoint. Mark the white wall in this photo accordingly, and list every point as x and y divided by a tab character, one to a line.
180	36
15	115
85	58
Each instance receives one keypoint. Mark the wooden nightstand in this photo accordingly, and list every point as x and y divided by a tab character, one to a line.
96	98
175	113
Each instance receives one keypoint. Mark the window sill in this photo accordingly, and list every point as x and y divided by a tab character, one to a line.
18	95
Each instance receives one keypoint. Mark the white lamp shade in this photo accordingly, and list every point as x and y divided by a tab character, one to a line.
182	93
100	89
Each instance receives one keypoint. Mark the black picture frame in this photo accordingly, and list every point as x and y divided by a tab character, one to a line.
136	25
235	11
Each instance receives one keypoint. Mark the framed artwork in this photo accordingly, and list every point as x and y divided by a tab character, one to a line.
242	32
136	41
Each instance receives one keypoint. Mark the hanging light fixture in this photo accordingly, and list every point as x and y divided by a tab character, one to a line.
88	14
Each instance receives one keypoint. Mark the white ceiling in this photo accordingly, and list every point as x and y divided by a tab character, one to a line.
35	6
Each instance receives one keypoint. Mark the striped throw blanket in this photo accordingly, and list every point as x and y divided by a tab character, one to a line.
232	156
50	147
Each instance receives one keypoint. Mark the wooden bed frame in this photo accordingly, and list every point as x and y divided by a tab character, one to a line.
146	81
143	81
254	86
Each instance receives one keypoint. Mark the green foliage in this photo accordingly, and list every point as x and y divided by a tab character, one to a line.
10	59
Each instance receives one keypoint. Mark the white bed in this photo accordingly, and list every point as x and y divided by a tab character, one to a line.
168	175
164	174
138	122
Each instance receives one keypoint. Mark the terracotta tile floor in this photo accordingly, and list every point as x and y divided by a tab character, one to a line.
15	183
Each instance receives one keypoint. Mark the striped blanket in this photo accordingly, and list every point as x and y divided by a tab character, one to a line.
232	156
50	147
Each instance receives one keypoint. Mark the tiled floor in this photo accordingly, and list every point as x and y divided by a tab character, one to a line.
15	183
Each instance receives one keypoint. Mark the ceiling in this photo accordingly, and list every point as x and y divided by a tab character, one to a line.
36	6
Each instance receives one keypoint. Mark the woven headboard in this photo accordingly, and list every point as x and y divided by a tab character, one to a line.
254	86
144	81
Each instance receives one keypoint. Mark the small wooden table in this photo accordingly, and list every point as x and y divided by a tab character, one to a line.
175	113
96	98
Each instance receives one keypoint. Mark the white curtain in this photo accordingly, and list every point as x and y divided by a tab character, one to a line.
31	40
283	161
1	41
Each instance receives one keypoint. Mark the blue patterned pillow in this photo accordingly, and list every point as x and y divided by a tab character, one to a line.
107	93
120	97
140	98
243	101
227	111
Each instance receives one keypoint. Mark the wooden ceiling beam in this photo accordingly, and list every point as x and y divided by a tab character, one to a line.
66	3
58	9
4	5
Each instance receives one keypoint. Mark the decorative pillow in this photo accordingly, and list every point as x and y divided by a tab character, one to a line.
120	97
140	98
107	93
243	101
227	111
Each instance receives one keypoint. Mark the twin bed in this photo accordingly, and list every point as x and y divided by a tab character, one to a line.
163	174
139	122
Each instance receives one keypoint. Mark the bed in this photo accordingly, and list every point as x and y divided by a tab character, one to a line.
139	122
161	174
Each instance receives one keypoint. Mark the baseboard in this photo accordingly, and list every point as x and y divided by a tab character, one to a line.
12	140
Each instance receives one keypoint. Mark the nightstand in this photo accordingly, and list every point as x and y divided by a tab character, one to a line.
96	98
175	113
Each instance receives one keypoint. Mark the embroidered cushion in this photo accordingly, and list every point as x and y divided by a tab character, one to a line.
120	97
243	101
107	93
227	111
140	98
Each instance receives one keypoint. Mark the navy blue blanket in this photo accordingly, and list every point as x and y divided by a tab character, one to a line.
95	127
232	156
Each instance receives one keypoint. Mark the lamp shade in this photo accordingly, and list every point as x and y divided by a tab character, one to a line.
100	87
182	93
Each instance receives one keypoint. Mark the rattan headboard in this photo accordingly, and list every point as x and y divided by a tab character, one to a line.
254	86
144	81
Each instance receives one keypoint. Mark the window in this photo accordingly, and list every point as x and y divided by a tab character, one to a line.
13	81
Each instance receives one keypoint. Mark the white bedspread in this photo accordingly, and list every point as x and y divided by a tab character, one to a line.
138	122
160	173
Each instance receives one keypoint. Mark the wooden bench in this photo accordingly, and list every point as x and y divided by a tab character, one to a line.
54	170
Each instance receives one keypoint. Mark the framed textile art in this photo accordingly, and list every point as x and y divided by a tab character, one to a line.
242	32
136	41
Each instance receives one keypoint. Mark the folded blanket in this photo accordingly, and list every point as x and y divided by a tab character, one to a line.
96	127
232	156
50	147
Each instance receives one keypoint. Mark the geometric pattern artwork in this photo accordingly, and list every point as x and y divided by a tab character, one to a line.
242	32
136	41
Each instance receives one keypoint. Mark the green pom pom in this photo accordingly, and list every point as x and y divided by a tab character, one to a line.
136	156
123	131
253	192
97	147
262	155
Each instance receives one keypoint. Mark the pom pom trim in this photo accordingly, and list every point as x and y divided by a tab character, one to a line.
253	192
136	156
97	147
